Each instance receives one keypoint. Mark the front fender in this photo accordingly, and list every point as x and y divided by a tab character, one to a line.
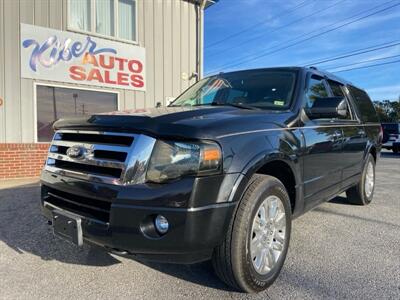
249	154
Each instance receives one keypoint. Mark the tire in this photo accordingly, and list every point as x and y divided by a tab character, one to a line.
360	194
233	260
395	150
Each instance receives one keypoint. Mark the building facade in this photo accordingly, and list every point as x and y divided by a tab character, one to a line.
62	58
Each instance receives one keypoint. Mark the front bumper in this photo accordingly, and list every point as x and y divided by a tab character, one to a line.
198	210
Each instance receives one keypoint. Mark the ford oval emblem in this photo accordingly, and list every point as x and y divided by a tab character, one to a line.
76	152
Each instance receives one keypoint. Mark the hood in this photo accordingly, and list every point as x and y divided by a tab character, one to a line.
206	122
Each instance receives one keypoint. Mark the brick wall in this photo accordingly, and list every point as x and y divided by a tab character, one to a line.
21	160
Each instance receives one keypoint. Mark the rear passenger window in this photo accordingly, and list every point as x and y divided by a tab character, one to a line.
315	89
364	105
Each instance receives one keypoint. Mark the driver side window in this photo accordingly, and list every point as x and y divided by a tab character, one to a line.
315	89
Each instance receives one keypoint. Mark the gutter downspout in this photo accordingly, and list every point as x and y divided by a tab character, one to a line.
200	38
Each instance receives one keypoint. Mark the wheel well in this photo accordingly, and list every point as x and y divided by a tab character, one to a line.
373	152
283	172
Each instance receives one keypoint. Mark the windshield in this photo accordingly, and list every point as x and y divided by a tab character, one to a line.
263	89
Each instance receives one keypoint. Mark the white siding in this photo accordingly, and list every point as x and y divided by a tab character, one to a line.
12	96
27	15
166	28
2	83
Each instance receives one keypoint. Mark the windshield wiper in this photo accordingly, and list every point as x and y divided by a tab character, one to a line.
238	105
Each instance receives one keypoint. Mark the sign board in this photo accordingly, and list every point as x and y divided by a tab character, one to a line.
50	54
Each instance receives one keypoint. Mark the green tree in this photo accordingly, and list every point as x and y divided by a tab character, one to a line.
388	111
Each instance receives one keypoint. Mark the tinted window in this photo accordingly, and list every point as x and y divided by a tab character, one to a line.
315	89
265	89
337	91
336	88
364	105
54	103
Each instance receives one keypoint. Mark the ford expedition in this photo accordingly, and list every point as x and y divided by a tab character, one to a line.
218	174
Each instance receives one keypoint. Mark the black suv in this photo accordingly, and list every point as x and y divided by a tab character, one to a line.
218	174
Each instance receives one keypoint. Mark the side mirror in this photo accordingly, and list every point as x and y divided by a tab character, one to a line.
327	108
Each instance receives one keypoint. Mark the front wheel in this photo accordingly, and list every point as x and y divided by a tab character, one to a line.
254	250
363	192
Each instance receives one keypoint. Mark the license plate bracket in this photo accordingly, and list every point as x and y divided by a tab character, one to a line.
68	227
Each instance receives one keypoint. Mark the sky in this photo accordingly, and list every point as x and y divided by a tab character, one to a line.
243	34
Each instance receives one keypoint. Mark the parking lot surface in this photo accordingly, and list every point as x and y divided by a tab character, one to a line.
337	251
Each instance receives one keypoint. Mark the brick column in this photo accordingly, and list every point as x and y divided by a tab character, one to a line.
22	160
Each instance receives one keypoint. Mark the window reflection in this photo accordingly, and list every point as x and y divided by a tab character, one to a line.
316	89
54	103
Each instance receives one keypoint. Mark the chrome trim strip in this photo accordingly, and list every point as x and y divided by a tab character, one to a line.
138	159
235	187
91	146
83	176
295	128
89	161
94	132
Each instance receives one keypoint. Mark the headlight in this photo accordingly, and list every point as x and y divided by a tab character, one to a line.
171	160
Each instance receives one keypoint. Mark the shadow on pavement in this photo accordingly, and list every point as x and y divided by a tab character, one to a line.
24	229
340	200
200	273
325	210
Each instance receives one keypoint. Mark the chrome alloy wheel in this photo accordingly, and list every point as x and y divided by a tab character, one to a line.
369	180
268	234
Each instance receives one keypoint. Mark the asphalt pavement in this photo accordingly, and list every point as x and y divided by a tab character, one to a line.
336	251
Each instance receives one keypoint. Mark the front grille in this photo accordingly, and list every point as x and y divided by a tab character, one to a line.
104	154
89	169
118	140
105	157
84	206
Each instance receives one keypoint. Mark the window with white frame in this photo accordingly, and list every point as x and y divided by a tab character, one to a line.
113	18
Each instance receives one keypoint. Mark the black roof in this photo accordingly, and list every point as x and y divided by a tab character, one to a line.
319	72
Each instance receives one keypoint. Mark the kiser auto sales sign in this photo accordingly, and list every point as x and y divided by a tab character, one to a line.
55	55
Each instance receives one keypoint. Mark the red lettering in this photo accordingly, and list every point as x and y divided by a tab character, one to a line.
122	78
121	62
135	66
89	59
77	73
103	63
137	80
95	74
107	78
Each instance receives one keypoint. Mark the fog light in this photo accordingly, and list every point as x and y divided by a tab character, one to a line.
161	224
